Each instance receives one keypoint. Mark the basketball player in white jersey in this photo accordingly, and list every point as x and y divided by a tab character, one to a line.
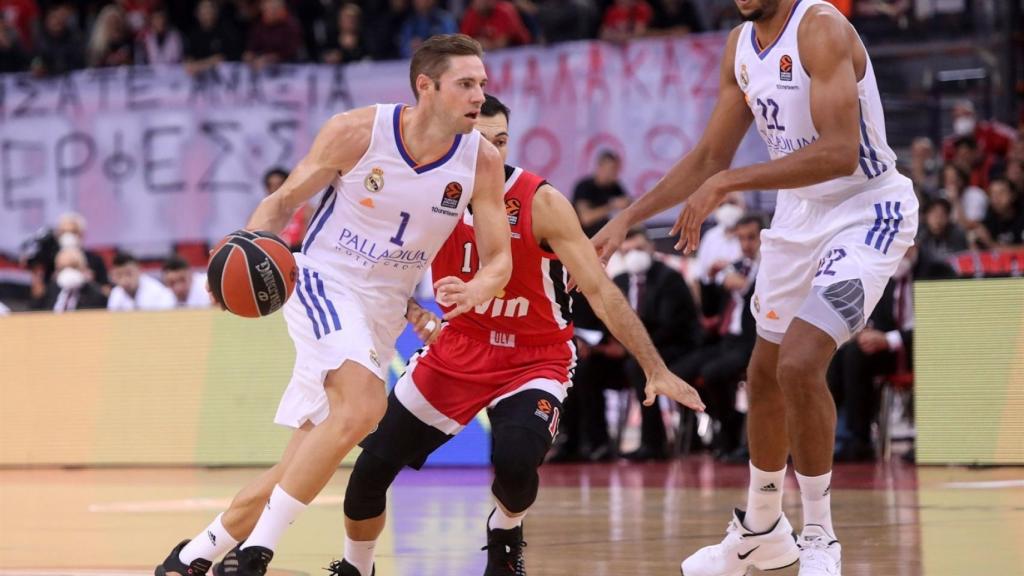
843	221
382	219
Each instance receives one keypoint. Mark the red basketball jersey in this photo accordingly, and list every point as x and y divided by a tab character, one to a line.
534	308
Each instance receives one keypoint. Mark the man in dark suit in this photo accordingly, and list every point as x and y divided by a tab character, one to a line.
71	287
666	306
883	347
719	367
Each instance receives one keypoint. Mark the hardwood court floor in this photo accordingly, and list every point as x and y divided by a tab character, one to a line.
595	520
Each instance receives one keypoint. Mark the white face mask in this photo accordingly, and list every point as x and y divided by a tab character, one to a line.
70	279
69	240
637	262
964	126
728	215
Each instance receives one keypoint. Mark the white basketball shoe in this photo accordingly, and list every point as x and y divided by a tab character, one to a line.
820	552
741	549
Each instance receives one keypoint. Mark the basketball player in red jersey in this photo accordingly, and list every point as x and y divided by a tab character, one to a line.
513	355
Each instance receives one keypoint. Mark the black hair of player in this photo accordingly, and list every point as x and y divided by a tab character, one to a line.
492	107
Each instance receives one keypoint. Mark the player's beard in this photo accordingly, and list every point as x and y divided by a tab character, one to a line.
766	11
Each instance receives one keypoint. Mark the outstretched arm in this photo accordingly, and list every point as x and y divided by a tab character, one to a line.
337	148
554	222
713	153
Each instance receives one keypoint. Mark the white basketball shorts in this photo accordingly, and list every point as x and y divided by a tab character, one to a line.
828	264
330	325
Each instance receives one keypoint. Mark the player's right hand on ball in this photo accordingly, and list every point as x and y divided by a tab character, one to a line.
668	384
462	296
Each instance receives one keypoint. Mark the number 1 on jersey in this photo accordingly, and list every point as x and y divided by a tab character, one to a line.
467	258
397	238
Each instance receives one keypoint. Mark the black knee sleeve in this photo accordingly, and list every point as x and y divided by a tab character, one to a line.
518	452
367	493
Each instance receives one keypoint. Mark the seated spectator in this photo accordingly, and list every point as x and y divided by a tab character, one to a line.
137	12
111	43
674	18
13	57
721	365
717	250
597	197
1003	226
71	287
212	40
295	230
40	252
989	142
940	237
626	19
70	233
425	20
18	16
58	47
666	306
189	287
924	167
970	203
161	44
134	290
275	38
495	24
883	347
345	43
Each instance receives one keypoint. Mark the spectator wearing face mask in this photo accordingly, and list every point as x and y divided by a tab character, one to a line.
189	287
990	142
72	287
718	248
969	202
666	306
134	290
69	232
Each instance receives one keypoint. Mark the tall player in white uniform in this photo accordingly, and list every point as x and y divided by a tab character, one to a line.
843	221
382	219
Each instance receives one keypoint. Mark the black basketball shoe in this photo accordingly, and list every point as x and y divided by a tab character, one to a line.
505	551
228	565
253	561
343	568
173	566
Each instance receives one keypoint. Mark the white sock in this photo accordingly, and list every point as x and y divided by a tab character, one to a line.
501	521
360	555
209	544
816	495
764	498
282	509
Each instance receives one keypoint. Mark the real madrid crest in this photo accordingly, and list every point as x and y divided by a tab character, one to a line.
374	181
744	78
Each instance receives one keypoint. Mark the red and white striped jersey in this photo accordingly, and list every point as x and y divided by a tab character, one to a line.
534	308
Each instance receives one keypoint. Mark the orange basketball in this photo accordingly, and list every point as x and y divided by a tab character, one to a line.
252	273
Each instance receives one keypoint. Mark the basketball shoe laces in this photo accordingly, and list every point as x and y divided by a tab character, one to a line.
815	554
512	556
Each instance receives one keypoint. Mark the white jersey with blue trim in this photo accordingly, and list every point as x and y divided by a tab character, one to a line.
379	226
778	91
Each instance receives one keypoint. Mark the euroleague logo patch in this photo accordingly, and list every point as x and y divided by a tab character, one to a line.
452	195
543	409
512	206
786	68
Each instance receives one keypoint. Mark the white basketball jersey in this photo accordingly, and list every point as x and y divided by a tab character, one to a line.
379	226
778	92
